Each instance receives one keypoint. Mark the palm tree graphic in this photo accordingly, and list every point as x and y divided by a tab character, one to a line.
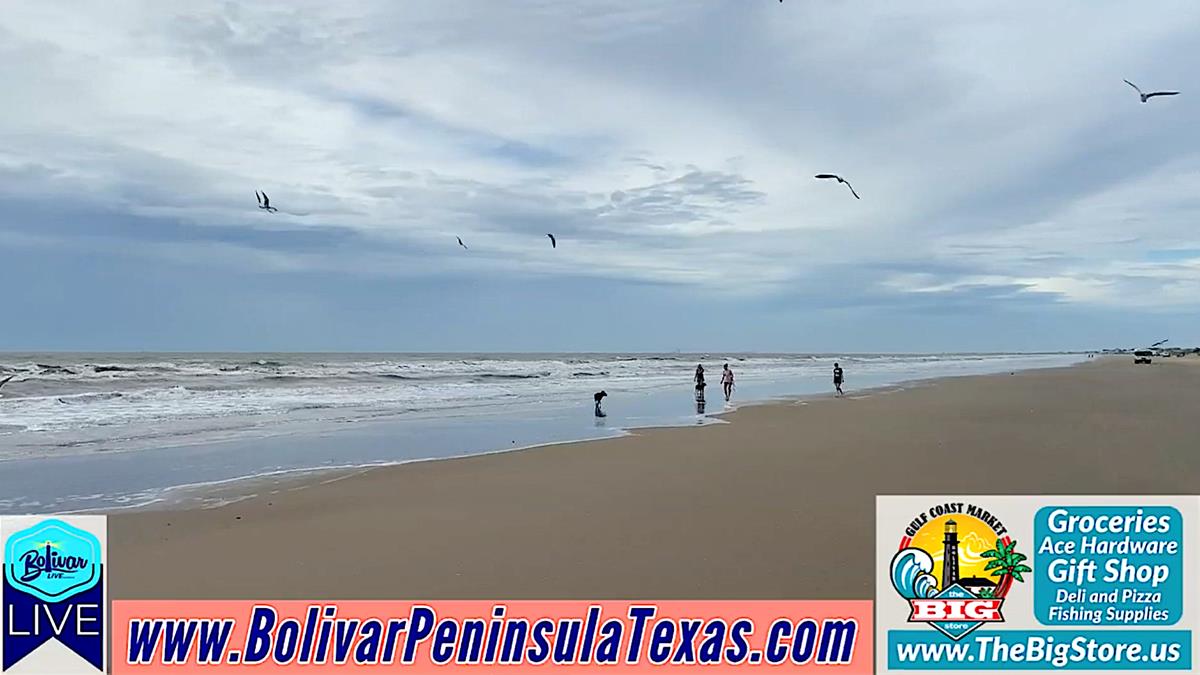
1007	564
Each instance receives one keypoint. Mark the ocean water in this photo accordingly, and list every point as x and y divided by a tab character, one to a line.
97	431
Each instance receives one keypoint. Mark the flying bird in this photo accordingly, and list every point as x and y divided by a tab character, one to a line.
553	241
840	180
1147	97
460	243
264	202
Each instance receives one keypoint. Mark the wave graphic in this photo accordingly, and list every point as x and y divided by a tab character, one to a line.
912	574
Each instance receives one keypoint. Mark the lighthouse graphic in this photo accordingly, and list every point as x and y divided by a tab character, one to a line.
950	555
949	589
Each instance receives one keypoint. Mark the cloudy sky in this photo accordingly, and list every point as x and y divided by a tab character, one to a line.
1015	193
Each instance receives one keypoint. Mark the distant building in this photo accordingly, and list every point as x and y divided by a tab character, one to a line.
977	584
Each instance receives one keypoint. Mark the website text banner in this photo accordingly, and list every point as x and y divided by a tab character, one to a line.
491	636
1037	583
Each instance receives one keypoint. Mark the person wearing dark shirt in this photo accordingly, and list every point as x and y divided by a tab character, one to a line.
838	378
599	396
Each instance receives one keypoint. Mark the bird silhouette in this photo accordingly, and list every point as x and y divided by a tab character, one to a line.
1147	97
264	202
460	243
826	176
553	241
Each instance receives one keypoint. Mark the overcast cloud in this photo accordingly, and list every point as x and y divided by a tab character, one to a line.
1009	178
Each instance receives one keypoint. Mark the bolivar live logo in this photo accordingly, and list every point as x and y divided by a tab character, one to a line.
53	589
955	566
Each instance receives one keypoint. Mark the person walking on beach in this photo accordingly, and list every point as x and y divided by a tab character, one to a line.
599	396
727	382
700	385
837	378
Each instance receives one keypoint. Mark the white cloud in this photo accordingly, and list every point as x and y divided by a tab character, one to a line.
993	146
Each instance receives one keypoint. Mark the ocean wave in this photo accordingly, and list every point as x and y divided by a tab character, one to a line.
84	399
70	393
290	378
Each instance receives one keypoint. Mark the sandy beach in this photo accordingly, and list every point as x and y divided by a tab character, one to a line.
779	503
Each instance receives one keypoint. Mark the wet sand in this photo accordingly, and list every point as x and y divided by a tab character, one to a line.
779	503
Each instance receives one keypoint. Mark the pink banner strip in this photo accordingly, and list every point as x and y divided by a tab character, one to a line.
183	636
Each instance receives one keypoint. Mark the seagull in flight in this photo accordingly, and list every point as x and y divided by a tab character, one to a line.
460	243
264	202
826	176
553	241
1147	97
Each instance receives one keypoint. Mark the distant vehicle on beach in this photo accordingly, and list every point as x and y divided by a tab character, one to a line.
1142	356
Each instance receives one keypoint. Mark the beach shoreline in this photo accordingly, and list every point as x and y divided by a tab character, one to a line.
720	511
181	473
221	493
